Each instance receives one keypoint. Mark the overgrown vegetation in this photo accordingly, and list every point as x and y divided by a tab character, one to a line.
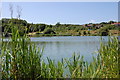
103	29
21	59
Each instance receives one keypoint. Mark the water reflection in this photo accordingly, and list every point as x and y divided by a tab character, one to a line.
63	47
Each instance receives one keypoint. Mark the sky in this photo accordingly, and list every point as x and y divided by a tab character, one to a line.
119	11
60	0
64	12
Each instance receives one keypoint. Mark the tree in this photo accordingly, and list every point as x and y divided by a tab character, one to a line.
19	10
103	23
93	25
57	24
103	31
79	33
50	26
41	27
11	10
85	25
110	22
88	32
84	33
49	31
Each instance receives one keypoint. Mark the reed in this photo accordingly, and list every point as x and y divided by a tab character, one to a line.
23	60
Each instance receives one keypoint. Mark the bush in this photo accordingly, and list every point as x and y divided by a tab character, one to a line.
49	31
41	27
84	33
103	31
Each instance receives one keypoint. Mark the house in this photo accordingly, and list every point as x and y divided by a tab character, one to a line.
116	24
98	26
88	25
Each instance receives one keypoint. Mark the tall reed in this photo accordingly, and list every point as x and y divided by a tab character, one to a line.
21	59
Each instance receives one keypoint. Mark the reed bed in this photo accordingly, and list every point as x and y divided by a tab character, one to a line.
21	59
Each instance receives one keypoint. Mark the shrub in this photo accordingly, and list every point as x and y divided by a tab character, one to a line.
49	31
84	33
103	31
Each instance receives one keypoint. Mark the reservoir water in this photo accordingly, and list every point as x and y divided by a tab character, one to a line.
64	46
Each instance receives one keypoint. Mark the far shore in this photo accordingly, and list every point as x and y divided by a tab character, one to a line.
113	32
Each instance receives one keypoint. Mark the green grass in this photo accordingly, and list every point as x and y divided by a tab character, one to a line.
23	60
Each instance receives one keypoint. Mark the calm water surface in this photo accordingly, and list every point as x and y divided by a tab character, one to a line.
64	46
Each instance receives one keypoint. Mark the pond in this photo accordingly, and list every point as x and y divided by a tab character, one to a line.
59	47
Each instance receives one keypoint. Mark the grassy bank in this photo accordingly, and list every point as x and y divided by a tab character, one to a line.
24	61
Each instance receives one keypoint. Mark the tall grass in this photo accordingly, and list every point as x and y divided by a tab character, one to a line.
21	59
110	54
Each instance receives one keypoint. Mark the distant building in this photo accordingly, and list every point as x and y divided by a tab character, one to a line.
116	24
97	26
88	25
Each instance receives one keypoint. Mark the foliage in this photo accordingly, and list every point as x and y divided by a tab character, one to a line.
110	22
109	54
103	23
60	29
84	33
41	27
21	59
49	31
103	31
57	24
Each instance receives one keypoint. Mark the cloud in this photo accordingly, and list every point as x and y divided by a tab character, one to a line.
92	21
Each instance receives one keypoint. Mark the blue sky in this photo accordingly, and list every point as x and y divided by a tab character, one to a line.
64	12
60	0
